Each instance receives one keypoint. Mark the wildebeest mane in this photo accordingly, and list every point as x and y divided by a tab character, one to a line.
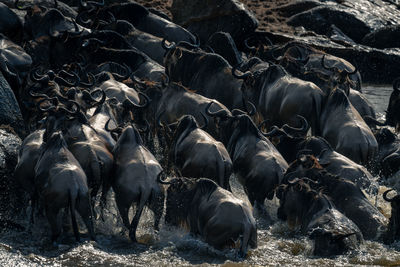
338	98
244	126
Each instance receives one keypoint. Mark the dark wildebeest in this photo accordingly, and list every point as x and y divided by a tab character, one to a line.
342	126
314	213
175	101
313	65
197	154
147	21
211	212
207	74
393	232
279	97
290	142
256	162
388	157
392	117
134	180
61	183
347	197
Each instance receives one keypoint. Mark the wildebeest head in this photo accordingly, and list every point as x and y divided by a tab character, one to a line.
393	110
385	136
295	200
182	195
304	166
393	232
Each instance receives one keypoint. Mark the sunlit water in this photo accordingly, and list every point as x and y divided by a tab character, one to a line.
172	247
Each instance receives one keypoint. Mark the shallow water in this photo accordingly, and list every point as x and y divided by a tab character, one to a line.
172	247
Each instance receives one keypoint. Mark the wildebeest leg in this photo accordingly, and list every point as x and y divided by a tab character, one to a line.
85	211
157	206
55	223
136	218
123	211
259	205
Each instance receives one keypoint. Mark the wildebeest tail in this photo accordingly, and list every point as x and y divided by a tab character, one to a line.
71	200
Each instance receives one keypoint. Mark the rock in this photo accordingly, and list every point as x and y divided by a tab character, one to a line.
354	18
205	17
9	193
223	44
10	113
320	19
386	37
10	24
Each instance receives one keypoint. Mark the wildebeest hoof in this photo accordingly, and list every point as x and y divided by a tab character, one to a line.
133	238
242	254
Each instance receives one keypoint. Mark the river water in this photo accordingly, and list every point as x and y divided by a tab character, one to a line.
173	247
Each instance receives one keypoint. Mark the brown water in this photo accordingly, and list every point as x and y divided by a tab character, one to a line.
172	247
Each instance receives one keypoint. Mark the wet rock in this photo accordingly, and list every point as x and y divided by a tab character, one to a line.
223	44
320	19
9	146
386	37
336	35
294	8
10	24
10	113
207	17
354	18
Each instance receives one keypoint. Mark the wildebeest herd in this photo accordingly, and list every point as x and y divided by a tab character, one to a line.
103	88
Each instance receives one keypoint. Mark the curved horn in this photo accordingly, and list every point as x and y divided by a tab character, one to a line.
240	76
293	181
190	45
275	131
246	44
303	128
91	81
219	113
351	72
385	195
324	66
167	47
102	99
162	181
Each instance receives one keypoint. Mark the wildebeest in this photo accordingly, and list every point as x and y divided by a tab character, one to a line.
197	154
147	21
342	126
393	232
347	197
61	183
256	162
289	145
173	101
134	180
315	214
388	156
279	97
392	117
207	74
211	212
